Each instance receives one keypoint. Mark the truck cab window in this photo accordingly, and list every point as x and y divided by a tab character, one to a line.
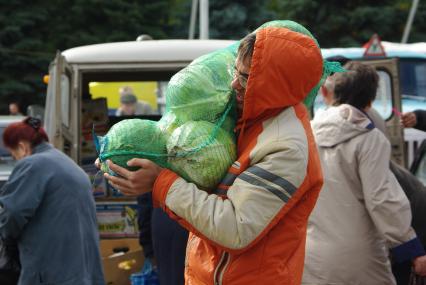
132	98
382	103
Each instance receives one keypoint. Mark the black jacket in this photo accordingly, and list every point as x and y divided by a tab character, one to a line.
421	120
9	256
163	239
144	223
416	194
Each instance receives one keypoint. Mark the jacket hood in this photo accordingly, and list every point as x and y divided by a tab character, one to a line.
340	124
285	66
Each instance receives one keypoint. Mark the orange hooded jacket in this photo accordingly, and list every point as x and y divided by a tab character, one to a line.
254	232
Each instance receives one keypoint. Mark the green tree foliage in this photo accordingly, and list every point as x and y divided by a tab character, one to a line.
22	52
227	19
235	19
352	23
32	31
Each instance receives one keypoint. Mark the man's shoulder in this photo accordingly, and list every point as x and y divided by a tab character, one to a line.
287	124
284	132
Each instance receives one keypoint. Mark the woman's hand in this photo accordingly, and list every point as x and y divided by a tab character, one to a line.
134	183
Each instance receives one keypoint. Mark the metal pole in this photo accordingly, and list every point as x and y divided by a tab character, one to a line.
193	19
410	19
204	19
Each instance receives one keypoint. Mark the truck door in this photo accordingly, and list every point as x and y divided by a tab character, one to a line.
61	106
388	104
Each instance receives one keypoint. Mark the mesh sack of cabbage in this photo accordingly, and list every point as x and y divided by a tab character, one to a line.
202	90
133	138
199	95
200	152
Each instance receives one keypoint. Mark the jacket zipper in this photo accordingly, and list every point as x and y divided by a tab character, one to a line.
220	269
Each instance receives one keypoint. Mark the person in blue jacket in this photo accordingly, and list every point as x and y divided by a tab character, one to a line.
48	208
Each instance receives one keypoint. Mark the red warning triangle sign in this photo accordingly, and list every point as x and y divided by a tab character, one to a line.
374	47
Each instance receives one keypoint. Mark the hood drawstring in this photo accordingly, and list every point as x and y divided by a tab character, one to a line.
240	133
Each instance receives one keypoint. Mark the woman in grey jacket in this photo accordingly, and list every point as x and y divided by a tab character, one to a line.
47	206
361	212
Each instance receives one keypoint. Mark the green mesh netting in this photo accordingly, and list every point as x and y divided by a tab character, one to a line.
291	25
201	91
199	151
206	167
133	138
228	124
168	123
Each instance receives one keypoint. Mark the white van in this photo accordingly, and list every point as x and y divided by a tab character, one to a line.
88	79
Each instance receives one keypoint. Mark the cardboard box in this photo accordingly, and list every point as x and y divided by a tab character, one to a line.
117	219
119	266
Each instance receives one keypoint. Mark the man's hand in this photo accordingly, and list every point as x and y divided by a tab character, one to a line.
134	183
419	264
408	120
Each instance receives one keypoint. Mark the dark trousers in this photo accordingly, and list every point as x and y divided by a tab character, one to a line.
169	240
402	271
8	277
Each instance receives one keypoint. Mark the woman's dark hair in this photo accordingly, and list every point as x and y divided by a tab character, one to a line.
246	48
357	86
29	130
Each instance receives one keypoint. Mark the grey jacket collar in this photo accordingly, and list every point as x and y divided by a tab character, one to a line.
42	147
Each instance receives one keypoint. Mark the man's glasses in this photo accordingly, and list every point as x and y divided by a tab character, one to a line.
242	77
